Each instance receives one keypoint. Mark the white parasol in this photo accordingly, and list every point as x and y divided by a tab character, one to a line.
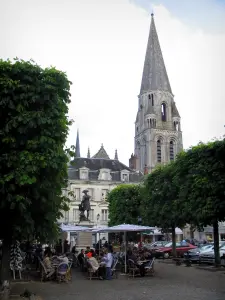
125	228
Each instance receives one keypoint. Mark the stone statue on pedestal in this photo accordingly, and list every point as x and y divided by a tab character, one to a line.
85	206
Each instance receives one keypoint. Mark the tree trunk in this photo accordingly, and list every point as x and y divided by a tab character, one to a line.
174	250
192	230
216	243
5	275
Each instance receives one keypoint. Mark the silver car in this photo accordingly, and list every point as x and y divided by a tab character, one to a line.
209	256
194	254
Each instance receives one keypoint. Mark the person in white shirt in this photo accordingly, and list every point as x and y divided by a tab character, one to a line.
64	259
108	259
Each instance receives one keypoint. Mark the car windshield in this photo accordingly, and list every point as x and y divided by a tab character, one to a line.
206	247
168	244
177	245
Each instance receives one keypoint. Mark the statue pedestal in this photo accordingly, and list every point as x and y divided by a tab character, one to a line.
86	223
85	238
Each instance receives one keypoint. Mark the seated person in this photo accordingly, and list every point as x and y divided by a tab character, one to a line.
88	249
95	266
64	259
89	253
47	251
141	266
80	257
147	254
48	263
130	255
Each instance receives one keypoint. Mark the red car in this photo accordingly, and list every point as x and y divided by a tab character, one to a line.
166	251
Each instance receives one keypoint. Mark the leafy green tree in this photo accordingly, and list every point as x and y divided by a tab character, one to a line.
161	206
33	163
200	175
124	204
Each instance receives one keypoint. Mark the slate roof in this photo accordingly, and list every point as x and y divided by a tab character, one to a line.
154	75
101	153
95	164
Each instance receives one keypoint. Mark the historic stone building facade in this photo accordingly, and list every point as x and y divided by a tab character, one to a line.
158	136
99	175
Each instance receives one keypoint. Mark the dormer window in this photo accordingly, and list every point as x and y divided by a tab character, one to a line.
84	173
104	174
125	176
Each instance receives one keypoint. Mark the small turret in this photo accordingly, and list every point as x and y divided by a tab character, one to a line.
116	155
88	153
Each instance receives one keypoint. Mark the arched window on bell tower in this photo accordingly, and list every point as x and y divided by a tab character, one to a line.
159	151
171	150
163	112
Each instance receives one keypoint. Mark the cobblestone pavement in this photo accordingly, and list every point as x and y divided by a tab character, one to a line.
169	283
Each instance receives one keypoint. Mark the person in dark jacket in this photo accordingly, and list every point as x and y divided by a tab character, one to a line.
80	258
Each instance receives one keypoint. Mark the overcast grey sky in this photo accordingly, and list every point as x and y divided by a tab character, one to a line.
101	45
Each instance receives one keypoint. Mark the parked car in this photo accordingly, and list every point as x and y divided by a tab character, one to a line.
209	256
166	251
155	245
193	254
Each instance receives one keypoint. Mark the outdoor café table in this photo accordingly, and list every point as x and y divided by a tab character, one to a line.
140	262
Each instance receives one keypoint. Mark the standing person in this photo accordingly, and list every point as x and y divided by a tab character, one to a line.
38	255
80	258
108	259
66	247
106	245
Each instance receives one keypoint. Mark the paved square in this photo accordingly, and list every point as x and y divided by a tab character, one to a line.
169	283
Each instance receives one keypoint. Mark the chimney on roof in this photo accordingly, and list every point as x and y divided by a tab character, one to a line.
133	162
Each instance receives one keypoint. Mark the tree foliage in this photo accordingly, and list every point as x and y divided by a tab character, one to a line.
124	204
200	174
33	164
190	190
161	206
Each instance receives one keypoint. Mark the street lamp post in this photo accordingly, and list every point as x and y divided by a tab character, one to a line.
98	217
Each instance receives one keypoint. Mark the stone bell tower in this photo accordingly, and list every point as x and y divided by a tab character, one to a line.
158	136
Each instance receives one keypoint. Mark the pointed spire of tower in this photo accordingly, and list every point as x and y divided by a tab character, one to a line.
77	150
116	155
154	75
88	154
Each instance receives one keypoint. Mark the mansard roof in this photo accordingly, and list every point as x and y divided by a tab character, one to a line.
95	164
